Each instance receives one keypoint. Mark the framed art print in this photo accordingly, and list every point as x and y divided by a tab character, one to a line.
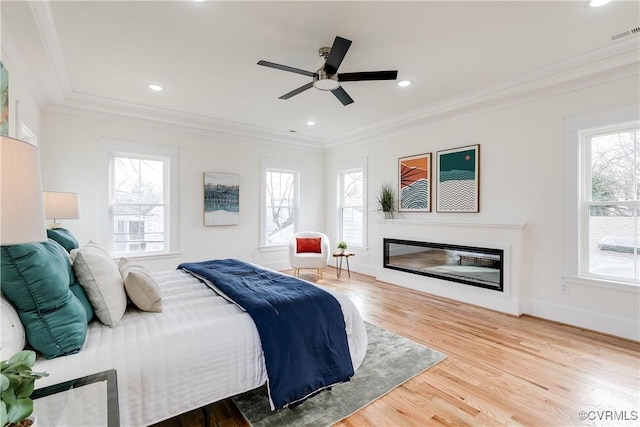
458	179
221	199
414	181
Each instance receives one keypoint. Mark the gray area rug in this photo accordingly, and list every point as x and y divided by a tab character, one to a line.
390	361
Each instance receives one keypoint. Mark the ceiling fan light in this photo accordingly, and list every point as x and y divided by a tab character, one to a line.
326	84
598	3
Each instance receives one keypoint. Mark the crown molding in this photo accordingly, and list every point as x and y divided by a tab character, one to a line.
183	122
41	11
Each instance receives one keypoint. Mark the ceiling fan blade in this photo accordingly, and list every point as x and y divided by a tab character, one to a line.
285	68
342	95
338	51
297	91
368	75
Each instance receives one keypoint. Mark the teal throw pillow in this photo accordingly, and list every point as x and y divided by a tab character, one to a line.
64	237
35	278
69	242
78	291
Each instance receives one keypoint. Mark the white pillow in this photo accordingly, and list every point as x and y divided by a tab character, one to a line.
141	287
101	280
13	336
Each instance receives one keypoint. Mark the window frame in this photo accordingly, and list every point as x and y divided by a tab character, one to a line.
343	169
573	154
282	166
109	149
585	197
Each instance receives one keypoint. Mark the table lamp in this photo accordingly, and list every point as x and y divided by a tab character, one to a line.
21	207
60	205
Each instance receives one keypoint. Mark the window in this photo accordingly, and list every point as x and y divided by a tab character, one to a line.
610	203
352	204
601	199
280	203
138	204
140	207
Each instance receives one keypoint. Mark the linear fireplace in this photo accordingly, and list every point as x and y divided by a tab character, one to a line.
470	265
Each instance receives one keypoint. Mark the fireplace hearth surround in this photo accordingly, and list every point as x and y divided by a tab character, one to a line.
482	267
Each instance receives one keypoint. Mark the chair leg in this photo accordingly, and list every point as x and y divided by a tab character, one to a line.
320	272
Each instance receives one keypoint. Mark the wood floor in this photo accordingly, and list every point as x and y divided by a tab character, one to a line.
499	370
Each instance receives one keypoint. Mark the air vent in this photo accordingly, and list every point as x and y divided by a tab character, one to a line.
625	34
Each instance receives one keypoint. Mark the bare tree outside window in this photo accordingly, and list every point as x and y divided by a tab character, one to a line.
613	211
615	169
138	205
280	205
352	214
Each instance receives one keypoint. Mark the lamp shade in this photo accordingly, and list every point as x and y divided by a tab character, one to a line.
60	205
22	213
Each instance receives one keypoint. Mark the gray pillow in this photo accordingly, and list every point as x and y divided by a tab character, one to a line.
141	287
98	274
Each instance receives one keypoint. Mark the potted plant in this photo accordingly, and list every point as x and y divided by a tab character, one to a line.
387	200
17	383
341	247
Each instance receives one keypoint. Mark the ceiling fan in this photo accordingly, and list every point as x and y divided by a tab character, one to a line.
327	76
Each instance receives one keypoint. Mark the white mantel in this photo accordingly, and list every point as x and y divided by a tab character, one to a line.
508	237
476	224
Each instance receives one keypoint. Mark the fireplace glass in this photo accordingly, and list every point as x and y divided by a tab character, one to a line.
474	266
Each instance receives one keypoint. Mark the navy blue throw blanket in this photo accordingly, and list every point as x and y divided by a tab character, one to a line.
301	327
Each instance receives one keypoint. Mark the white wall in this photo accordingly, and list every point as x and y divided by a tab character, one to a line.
521	182
69	157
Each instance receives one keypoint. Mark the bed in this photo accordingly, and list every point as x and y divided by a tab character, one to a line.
200	349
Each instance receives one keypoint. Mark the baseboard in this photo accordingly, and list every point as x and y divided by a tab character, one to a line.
363	269
584	319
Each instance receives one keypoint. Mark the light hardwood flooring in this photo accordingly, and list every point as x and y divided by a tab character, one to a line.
499	370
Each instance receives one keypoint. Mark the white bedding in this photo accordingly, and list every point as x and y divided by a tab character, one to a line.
199	350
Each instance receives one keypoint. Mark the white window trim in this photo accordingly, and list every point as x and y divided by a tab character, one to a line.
585	194
574	128
345	167
280	166
107	148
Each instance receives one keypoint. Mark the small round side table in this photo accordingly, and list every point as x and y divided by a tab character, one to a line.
339	256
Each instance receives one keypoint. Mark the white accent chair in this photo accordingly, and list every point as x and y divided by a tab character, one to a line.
314	260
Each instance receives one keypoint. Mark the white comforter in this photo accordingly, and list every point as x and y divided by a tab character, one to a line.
199	350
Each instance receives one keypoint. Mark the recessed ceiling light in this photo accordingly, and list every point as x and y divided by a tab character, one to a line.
404	83
598	3
311	123
156	88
